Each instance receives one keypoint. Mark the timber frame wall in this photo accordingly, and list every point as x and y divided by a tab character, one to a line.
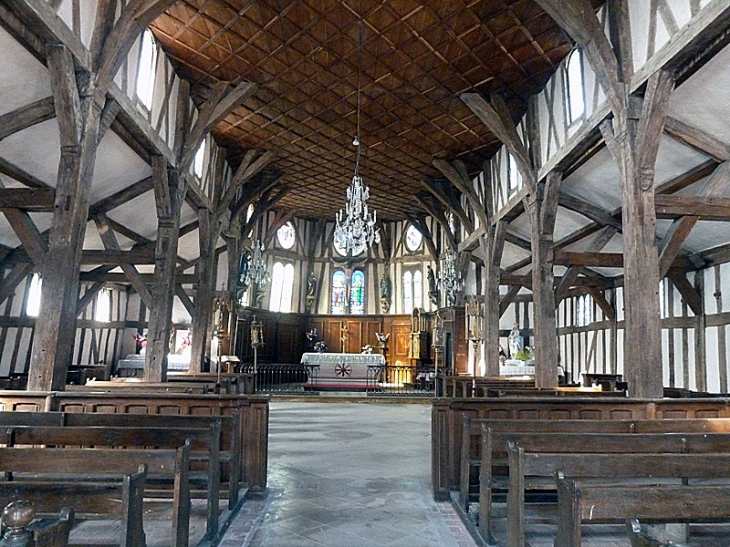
693	331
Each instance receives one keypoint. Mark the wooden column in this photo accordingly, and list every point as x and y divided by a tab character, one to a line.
168	197
542	207
206	271
633	139
78	120
494	245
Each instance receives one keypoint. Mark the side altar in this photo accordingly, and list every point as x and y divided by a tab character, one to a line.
345	371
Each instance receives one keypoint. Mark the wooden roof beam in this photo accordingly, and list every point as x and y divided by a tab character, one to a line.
27	116
434	208
450	202
498	120
672	242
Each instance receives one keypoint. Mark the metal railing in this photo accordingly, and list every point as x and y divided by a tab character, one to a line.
395	380
288	379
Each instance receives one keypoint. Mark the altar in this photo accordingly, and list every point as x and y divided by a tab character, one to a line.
345	371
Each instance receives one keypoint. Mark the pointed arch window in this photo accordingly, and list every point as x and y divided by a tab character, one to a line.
584	311
146	69
199	161
282	287
103	311
339	290
513	175
33	304
357	293
574	86
412	290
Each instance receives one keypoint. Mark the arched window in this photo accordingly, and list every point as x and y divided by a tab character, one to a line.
584	311
146	69
282	286
575	90
514	176
33	305
103	306
339	290
412	290
417	289
407	292
199	161
357	293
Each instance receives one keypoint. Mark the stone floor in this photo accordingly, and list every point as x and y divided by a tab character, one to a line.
349	475
358	475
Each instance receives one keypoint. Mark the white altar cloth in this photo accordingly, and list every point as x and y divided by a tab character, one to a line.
135	362
516	367
341	370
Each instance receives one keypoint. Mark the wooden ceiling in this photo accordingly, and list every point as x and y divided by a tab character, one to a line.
412	58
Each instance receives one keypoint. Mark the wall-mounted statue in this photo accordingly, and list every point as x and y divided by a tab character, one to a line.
311	290
433	291
386	289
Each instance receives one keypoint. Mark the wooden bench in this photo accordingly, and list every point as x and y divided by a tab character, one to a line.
447	421
253	423
616	456
205	448
230	440
116	494
41	473
473	440
134	385
580	502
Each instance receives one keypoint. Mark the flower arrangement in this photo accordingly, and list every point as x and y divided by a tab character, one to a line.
320	346
524	354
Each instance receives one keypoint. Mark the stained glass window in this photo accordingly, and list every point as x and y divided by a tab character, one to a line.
339	288
357	293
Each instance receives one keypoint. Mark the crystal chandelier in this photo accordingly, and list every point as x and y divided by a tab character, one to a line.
257	271
357	231
450	277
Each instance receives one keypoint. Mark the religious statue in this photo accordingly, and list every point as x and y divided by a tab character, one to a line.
433	291
516	342
385	292
311	290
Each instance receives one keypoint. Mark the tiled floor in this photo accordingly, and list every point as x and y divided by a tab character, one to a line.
348	475
358	475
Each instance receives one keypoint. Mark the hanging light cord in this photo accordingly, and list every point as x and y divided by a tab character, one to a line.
359	68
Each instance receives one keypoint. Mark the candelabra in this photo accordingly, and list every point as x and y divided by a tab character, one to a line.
450	277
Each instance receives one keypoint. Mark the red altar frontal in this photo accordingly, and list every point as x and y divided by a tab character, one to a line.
345	371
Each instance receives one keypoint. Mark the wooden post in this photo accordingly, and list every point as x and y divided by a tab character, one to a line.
542	207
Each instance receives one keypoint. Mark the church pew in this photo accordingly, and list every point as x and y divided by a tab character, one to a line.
118	495
580	502
205	444
447	421
230	440
473	436
241	383
610	457
68	470
119	385
253	424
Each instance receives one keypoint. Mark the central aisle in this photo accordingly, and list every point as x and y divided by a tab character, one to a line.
353	475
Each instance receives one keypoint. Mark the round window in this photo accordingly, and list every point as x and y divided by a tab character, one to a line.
413	239
286	236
